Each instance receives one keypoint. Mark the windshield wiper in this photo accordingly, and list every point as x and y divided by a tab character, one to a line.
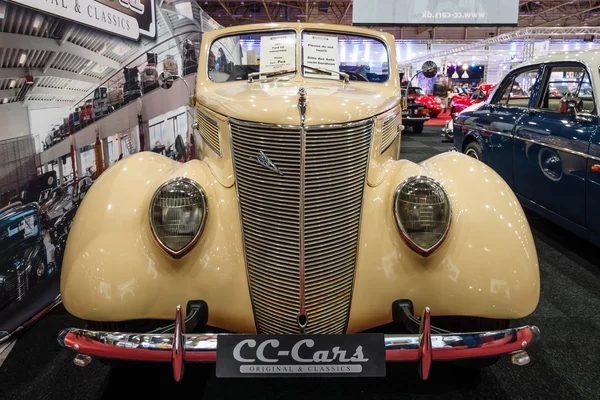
267	75
340	73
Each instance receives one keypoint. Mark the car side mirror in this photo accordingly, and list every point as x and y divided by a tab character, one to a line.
429	69
165	80
570	104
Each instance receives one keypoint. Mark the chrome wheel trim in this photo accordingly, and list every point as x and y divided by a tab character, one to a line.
472	153
40	269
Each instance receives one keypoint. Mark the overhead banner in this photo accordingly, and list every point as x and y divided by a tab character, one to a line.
127	18
435	12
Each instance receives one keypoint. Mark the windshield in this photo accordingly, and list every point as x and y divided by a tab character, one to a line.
233	58
361	57
324	54
417	91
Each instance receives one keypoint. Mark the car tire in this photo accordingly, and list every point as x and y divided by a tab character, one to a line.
472	324
417	128
473	149
452	111
434	115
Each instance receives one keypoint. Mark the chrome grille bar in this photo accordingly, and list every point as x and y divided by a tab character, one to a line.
317	203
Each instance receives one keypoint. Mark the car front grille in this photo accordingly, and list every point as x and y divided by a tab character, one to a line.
335	165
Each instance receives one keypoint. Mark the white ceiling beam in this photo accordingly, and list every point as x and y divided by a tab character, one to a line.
34	105
522	34
15	73
46	44
43	90
62	41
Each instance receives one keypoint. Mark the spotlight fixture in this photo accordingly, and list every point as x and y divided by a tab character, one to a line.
12	84
37	21
23	58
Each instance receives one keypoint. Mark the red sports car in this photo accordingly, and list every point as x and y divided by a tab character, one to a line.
480	94
433	103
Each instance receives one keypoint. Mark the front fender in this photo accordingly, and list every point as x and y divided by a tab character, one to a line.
114	270
486	267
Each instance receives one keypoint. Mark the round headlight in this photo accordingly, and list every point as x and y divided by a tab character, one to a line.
423	213
177	215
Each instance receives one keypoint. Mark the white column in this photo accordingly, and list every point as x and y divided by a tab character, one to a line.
59	162
78	164
105	154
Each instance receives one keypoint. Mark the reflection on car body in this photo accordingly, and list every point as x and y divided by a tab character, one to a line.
299	218
540	133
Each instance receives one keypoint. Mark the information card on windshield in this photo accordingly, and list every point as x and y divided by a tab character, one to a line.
277	53
321	52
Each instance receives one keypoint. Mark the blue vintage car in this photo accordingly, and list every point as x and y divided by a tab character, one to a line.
540	132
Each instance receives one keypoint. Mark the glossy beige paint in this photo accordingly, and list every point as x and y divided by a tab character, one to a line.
114	270
486	267
329	102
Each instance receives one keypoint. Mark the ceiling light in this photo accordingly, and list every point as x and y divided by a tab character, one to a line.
12	83
5	101
22	58
121	49
99	69
82	70
37	21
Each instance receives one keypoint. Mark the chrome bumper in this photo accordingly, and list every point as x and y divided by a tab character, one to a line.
179	347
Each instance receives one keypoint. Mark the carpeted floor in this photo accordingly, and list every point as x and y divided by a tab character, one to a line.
565	365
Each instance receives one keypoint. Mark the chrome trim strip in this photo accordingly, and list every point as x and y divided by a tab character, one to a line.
57	300
551	146
188	247
424	347
558	148
416	248
307	127
362	206
302	110
239	207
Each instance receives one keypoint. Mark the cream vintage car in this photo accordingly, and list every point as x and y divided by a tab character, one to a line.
299	229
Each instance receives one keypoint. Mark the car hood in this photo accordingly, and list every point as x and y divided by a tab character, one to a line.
277	102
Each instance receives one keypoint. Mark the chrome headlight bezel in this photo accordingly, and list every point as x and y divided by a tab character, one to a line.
187	248
425	252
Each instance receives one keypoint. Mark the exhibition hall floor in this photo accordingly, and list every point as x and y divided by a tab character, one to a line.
565	365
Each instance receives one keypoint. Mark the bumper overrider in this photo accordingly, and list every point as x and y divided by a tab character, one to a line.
425	345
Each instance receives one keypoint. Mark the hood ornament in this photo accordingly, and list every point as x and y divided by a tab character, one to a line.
302	104
263	160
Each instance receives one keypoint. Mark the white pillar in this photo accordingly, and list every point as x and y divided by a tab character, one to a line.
59	162
78	164
105	154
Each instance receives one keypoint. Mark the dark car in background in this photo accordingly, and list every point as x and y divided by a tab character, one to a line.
414	115
540	132
25	287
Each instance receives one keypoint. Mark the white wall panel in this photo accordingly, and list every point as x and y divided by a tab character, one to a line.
13	123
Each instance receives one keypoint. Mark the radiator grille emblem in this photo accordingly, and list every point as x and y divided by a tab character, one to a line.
263	160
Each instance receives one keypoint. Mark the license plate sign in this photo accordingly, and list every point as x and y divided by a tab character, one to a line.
357	355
